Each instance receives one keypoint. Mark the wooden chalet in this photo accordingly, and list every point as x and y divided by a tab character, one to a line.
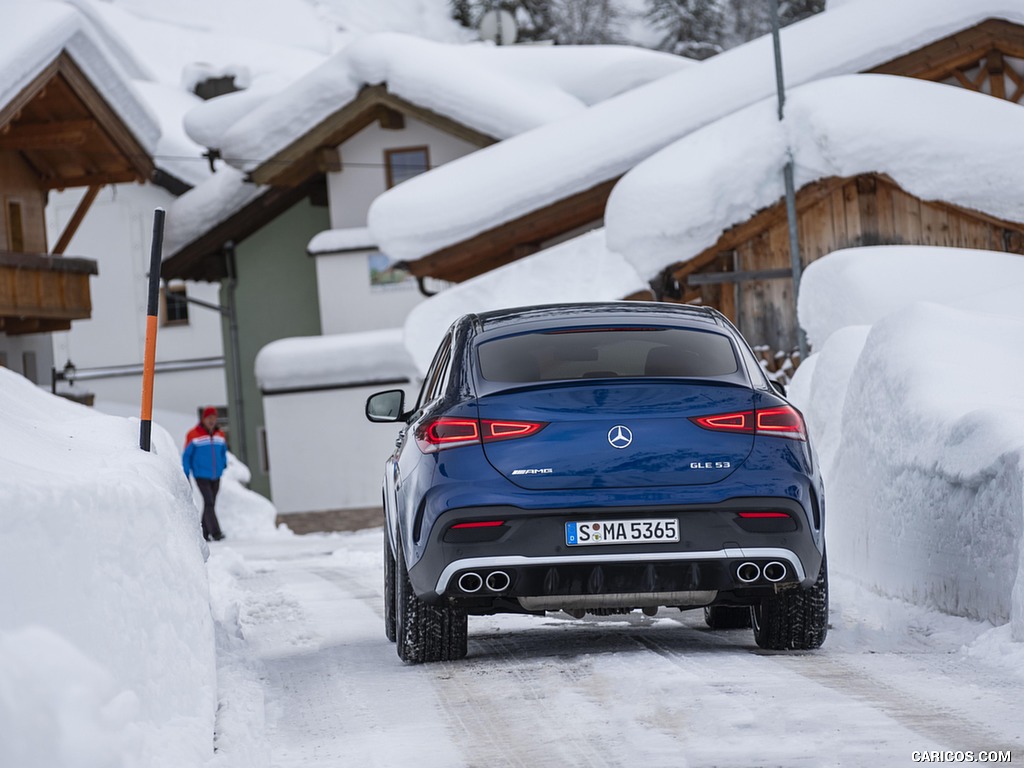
988	58
58	132
748	276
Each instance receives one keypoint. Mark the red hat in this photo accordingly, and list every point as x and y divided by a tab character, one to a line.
209	411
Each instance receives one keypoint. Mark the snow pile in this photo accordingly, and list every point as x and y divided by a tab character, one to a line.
915	393
344	358
106	638
922	134
581	269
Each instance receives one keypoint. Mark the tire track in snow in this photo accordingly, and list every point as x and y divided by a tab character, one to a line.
523	729
932	721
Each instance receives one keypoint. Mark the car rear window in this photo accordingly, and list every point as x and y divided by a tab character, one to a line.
582	353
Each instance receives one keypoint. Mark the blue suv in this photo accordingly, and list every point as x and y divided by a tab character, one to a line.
599	458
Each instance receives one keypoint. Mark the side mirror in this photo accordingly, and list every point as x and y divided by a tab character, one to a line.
780	388
386	406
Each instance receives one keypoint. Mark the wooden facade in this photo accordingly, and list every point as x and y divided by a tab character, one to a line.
988	58
57	133
747	273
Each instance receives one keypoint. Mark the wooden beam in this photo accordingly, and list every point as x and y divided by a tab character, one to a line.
941	58
58	182
55	135
511	240
18	326
108	121
76	219
717	278
390	119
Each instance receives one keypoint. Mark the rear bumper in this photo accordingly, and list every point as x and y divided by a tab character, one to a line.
530	549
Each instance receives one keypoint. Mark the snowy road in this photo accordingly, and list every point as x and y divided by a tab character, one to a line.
617	691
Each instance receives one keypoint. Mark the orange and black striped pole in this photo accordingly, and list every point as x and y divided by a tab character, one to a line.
149	361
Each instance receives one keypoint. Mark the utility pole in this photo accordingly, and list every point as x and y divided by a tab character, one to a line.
787	174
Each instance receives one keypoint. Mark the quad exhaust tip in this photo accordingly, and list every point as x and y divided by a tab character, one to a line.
748	572
775	571
498	581
495	581
470	582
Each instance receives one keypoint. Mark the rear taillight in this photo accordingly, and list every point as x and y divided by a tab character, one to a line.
449	432
779	421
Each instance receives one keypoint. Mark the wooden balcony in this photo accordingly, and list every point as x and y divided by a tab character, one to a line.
40	293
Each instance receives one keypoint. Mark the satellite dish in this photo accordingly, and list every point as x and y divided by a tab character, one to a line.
498	27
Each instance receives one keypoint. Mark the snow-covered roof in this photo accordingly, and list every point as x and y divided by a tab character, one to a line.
936	141
499	91
455	202
206	205
581	269
44	30
369	357
341	241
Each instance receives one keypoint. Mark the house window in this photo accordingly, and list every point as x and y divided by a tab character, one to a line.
403	164
175	305
15	227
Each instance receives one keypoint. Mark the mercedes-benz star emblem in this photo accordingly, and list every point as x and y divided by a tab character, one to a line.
620	436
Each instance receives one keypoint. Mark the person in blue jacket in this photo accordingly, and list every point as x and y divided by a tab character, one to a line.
205	457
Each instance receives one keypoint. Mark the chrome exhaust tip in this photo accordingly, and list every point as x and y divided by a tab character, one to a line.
498	581
748	572
775	571
470	582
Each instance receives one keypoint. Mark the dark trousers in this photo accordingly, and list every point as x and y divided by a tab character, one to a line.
209	488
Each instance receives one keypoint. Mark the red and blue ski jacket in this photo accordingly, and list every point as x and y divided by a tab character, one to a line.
205	455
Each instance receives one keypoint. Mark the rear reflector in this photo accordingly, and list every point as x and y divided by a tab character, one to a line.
779	421
761	515
480	524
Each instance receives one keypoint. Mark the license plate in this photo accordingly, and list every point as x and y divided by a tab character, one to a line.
620	532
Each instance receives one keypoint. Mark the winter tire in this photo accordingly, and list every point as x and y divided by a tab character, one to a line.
425	632
794	620
727	616
389	590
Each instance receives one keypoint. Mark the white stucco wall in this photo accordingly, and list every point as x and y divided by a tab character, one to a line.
349	303
363	175
117	233
323	453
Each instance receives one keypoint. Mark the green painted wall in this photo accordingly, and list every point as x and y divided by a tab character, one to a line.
277	299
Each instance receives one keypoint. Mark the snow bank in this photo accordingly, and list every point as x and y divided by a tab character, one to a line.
581	269
920	415
106	638
343	358
677	203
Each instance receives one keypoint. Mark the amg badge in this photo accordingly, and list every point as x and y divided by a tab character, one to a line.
544	471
